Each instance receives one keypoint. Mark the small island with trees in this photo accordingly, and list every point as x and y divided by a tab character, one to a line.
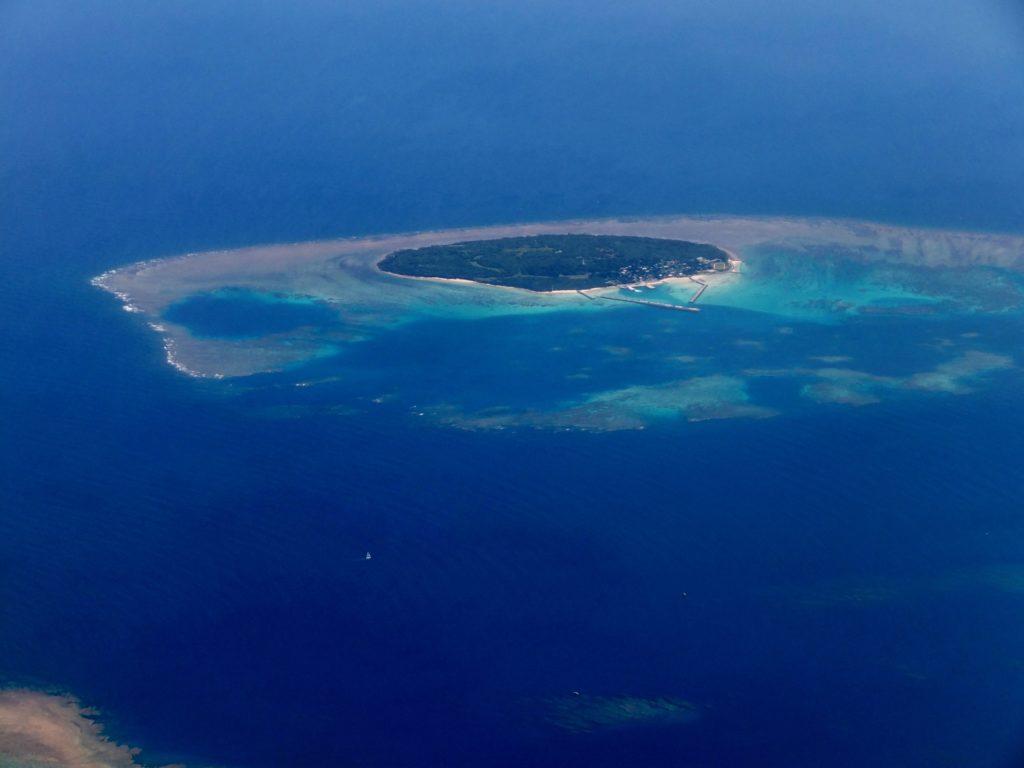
559	262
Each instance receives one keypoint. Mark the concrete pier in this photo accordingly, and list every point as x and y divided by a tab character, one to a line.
656	304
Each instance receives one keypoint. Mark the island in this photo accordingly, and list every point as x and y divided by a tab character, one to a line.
559	262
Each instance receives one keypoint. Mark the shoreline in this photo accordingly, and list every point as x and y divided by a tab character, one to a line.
570	292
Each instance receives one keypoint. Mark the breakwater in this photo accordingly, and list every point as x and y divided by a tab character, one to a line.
656	304
645	302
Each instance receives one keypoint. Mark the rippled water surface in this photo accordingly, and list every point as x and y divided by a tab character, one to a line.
760	535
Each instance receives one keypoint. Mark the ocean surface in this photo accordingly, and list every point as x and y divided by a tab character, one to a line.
835	585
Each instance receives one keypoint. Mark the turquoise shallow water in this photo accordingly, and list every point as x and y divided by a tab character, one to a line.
638	367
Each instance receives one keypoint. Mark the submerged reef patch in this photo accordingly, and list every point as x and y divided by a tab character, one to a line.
583	713
1005	578
701	398
853	387
719	396
41	729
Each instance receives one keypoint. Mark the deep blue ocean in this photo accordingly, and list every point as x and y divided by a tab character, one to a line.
835	586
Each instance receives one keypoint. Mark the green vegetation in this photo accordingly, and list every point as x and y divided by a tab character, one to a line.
558	262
